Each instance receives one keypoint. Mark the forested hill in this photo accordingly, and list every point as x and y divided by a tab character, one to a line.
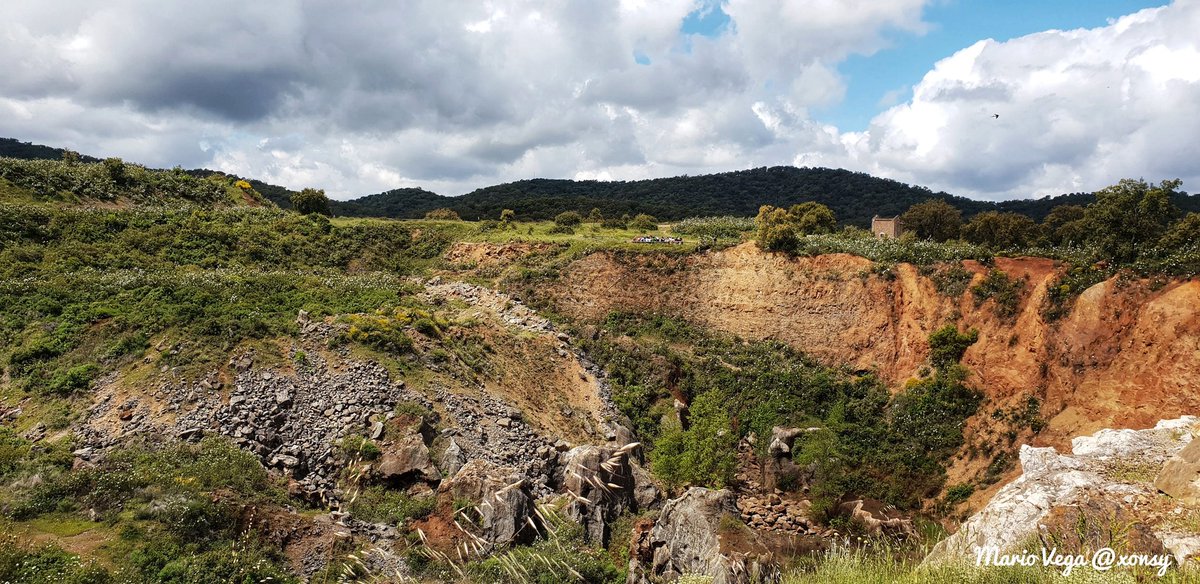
13	148
854	197
402	203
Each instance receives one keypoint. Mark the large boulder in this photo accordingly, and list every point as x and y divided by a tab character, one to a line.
1180	477
407	462
504	510
699	533
602	483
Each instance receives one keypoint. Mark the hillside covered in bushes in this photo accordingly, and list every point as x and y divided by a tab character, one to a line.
854	197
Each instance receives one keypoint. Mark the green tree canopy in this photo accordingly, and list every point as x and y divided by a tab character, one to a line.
947	345
568	219
1064	225
1130	216
776	231
933	219
310	201
1182	233
997	230
811	218
644	222
780	229
443	214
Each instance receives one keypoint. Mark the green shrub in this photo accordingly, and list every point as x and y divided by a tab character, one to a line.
73	379
243	561
311	202
378	504
13	450
947	345
111	180
386	332
958	493
568	219
711	230
615	222
562	559
1005	291
952	281
1061	293
49	564
644	222
443	214
192	519
705	453
781	229
182	469
359	448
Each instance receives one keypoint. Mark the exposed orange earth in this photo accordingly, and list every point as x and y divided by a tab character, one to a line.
1126	356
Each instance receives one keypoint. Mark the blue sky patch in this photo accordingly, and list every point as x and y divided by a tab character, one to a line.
877	82
709	20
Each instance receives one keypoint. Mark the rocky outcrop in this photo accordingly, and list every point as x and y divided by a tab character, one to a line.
603	483
1114	466
693	536
774	512
294	415
503	511
1180	477
778	470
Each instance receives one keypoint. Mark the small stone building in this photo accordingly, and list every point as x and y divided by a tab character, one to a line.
887	226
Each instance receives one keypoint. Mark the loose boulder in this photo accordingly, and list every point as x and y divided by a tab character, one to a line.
407	462
1180	477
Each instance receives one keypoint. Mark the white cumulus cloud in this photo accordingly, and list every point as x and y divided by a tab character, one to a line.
454	95
1078	110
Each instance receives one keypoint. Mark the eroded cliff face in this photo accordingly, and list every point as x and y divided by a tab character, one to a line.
1126	356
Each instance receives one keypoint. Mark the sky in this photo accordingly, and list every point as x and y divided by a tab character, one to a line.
454	95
